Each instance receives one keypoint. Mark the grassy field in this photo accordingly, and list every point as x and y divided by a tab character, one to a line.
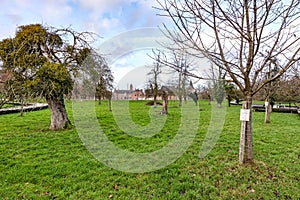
36	163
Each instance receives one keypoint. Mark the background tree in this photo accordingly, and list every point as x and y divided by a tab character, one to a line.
230	92
104	85
154	74
270	90
43	61
164	97
241	37
178	60
5	89
96	71
289	90
217	78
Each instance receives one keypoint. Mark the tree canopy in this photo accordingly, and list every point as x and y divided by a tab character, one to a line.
43	62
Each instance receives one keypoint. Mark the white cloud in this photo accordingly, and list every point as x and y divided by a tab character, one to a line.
55	10
105	17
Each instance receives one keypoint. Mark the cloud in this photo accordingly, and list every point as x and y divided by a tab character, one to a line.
55	10
114	16
20	12
105	17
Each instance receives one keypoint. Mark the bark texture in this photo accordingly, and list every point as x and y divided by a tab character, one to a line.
59	115
246	144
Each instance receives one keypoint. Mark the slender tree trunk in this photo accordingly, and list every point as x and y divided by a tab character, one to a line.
99	100
228	100
109	104
180	89
219	105
165	102
155	100
22	108
59	115
180	100
246	144
268	110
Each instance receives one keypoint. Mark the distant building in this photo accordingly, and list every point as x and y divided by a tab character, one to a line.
137	95
130	94
170	89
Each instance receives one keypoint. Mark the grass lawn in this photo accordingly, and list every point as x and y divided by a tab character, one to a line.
36	163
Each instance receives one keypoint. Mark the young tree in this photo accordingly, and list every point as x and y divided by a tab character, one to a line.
178	60
43	60
217	78
230	92
242	38
165	102
154	73
270	90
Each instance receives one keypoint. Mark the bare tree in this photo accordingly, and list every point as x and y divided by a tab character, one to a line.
241	37
154	73
270	91
178	60
217	78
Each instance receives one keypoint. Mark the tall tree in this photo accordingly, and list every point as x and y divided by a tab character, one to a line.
43	61
241	37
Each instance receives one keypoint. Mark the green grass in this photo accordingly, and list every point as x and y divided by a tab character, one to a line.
36	163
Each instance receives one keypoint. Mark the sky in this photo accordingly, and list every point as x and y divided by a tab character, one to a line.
105	17
110	19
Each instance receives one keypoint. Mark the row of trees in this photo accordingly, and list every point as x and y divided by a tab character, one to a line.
44	62
243	38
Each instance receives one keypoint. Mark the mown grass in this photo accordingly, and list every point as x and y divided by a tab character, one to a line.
36	163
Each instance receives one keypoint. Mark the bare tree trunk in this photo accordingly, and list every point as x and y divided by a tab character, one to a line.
219	105
209	99
155	100
180	89
228	100
22	108
59	115
99	100
246	145
180	100
268	110
165	102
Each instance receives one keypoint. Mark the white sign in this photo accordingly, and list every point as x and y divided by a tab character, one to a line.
245	115
266	104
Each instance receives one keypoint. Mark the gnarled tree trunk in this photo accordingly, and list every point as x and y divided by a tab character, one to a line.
59	115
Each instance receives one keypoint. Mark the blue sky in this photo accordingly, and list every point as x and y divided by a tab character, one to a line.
107	18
